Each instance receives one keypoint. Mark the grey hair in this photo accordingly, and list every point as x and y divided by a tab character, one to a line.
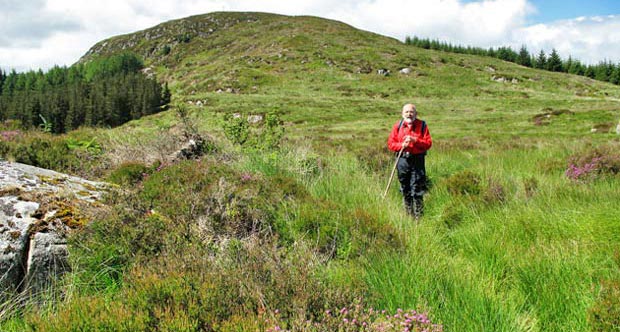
412	104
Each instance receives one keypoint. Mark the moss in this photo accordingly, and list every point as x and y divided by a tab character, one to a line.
10	191
52	180
89	186
15	234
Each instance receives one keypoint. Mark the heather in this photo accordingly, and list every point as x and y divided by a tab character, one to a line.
280	225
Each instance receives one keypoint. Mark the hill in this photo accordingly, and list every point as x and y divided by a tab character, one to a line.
323	74
520	232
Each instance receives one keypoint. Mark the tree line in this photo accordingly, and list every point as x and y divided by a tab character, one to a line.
104	92
603	71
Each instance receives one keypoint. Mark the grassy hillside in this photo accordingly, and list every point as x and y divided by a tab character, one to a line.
514	239
322	74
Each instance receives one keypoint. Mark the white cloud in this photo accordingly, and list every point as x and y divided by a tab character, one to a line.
590	40
40	33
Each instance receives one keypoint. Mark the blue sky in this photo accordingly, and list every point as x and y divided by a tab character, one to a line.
41	33
553	10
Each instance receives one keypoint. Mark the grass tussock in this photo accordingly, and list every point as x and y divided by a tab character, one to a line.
280	223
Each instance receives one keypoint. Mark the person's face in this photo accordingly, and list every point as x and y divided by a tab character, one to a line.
409	113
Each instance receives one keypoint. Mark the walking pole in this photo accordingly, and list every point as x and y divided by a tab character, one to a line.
393	170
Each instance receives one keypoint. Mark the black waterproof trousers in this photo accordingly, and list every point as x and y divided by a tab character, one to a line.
412	178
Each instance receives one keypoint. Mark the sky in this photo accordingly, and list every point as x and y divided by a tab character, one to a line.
38	34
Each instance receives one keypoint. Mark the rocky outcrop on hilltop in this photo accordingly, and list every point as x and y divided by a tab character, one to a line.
38	208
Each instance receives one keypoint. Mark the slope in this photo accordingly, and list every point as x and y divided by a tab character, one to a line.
514	239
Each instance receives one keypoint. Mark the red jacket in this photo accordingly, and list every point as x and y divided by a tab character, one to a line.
397	137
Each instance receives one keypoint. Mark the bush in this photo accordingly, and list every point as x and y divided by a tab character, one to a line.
452	215
266	135
236	129
207	198
129	174
494	192
356	318
465	183
605	314
530	185
342	234
593	164
47	151
194	290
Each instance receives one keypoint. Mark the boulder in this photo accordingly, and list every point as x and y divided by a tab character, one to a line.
383	72
15	220
47	256
33	246
253	119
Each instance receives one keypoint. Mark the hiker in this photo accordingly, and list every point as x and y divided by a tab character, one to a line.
411	135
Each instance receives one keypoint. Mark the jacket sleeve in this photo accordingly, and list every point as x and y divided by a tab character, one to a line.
424	141
393	142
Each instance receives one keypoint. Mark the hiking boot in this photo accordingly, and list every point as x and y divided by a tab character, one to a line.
408	204
418	209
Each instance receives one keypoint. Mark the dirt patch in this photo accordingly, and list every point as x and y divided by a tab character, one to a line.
544	118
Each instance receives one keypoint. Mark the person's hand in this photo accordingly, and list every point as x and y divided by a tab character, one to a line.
409	139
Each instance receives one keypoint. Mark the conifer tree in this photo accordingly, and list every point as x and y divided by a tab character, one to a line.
575	67
554	63
2	78
524	58
541	60
615	75
589	71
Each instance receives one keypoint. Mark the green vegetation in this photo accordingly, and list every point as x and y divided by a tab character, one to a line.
520	231
104	92
605	71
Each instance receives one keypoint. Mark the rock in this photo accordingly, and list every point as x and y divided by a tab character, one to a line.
47	255
14	241
252	119
383	72
33	249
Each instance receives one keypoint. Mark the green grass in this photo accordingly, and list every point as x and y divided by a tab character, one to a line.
531	251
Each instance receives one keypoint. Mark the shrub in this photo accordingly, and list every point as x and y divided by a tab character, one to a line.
452	215
605	313
593	164
465	183
209	198
339	233
376	158
494	192
128	174
236	129
47	151
266	135
530	185
356	318
196	290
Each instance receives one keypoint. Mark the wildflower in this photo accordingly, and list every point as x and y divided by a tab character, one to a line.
9	135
